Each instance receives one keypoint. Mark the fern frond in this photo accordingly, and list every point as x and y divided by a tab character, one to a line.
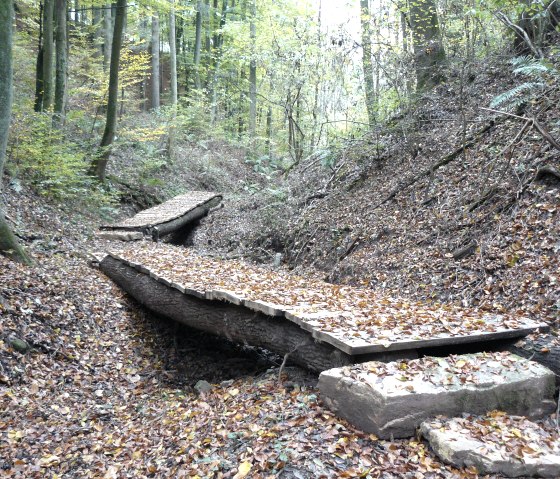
533	67
515	93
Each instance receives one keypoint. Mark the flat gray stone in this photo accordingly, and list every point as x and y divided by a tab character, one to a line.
497	444
393	399
120	235
203	386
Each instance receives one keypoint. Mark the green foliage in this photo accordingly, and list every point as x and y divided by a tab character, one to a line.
540	74
55	166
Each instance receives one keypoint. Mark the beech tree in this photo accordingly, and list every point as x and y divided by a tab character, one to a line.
9	245
154	49
429	53
99	163
366	61
48	54
61	61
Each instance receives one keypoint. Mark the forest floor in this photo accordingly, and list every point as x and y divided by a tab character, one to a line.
108	390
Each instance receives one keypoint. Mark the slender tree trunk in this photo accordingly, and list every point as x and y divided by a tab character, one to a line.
48	50
99	163
61	62
39	65
242	100
154	92
173	53
198	45
367	65
218	42
107	35
253	73
428	47
98	31
173	62
9	245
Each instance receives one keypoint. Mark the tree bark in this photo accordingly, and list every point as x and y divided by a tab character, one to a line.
98	31
107	35
543	349
61	62
236	323
253	73
429	52
38	106
197	45
99	163
9	245
48	50
173	53
155	85
367	65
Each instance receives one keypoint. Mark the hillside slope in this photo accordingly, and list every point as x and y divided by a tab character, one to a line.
408	211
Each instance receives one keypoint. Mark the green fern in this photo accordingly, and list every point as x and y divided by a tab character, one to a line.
517	95
541	72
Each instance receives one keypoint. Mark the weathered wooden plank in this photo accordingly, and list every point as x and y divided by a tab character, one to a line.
351	343
169	216
237	323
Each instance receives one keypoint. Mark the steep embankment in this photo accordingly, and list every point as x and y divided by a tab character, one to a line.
407	211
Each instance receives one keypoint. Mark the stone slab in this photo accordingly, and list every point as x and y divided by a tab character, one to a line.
496	444
117	235
393	399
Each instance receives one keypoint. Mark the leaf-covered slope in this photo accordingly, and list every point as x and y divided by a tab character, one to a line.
406	211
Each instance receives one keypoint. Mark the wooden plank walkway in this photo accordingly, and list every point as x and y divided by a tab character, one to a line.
353	320
170	215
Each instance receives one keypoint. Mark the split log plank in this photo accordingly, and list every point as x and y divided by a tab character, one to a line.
171	215
233	322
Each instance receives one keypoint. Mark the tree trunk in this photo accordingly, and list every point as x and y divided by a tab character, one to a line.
173	65
98	31
61	62
107	35
253	74
39	65
48	49
237	323
367	65
428	48
154	92
9	245
218	42
173	53
534	29
241	107
197	45
99	163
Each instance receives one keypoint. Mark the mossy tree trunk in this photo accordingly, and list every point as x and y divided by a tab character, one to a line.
429	52
8	242
99	163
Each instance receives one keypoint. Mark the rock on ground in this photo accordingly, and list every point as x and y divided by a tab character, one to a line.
392	399
497	444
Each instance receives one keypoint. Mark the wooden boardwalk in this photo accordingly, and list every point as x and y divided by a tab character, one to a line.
170	215
354	321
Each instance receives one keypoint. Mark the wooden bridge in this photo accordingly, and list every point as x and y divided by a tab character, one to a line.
165	218
320	325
